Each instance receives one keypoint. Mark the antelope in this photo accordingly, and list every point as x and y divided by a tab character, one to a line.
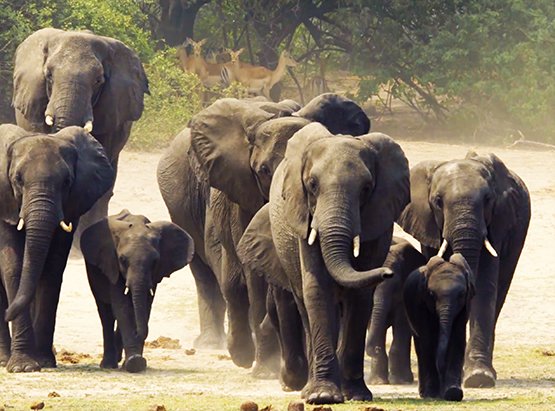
209	73
257	79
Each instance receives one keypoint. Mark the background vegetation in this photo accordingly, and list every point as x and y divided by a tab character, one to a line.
481	67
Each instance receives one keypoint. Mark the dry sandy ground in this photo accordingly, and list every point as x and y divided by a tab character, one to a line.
528	317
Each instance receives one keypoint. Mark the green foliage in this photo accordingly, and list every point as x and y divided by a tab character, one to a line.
174	98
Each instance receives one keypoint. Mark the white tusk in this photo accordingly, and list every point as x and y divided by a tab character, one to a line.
126	291
490	248
312	236
49	120
152	292
88	126
443	248
68	228
356	246
20	224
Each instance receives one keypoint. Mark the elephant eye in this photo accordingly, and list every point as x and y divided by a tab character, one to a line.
19	178
264	170
48	76
438	201
312	185
123	261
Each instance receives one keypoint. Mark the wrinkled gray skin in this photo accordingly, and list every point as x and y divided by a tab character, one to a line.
76	77
437	298
235	147
44	179
464	202
341	187
388	311
127	252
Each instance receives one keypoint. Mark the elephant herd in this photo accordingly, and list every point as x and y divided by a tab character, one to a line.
285	215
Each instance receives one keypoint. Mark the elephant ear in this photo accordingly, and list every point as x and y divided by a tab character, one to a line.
176	248
29	83
94	175
391	187
417	218
512	199
293	192
126	216
284	108
219	139
122	97
98	245
9	205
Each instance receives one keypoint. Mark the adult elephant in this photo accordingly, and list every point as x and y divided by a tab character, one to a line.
479	208
47	182
76	78
333	201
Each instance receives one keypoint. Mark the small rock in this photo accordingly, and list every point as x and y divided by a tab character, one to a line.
548	353
190	351
248	406
38	405
268	408
371	409
157	407
322	408
164	342
53	394
295	406
224	357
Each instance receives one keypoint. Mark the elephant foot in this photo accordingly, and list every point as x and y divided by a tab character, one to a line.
356	390
322	392
479	378
109	363
428	391
378	367
264	371
294	374
20	362
378	379
135	363
210	340
4	358
241	349
453	393
46	360
401	378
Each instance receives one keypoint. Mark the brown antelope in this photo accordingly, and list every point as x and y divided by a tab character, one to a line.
257	79
209	73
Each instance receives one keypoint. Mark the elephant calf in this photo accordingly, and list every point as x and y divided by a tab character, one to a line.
437	299
126	257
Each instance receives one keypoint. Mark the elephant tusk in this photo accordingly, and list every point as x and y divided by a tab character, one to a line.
443	248
49	120
312	236
490	248
20	224
68	228
88	126
126	291
356	246
152	292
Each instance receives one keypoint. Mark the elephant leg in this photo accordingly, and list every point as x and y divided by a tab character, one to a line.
47	296
355	316
428	378
110	355
5	339
478	368
239	337
320	302
455	360
211	306
399	353
284	315
377	331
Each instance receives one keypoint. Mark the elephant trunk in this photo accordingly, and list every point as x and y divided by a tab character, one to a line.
41	219
139	297
378	324
466	236
446	317
338	230
70	105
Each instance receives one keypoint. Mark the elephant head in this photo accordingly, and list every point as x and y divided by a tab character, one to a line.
446	288
139	253
343	190
64	78
47	183
463	206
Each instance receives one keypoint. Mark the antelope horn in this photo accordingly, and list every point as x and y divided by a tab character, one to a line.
490	248
49	120
20	224
356	246
68	228
312	236
443	248
88	126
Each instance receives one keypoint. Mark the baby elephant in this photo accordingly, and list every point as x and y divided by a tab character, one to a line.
126	257
437	299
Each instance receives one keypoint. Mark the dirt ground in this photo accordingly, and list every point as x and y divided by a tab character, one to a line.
527	320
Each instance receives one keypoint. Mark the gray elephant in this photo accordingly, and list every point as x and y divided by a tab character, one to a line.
333	201
388	311
76	78
47	182
437	298
126	257
480	209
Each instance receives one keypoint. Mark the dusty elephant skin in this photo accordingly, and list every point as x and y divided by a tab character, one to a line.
47	183
480	209
126	257
76	78
437	298
388	311
333	202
